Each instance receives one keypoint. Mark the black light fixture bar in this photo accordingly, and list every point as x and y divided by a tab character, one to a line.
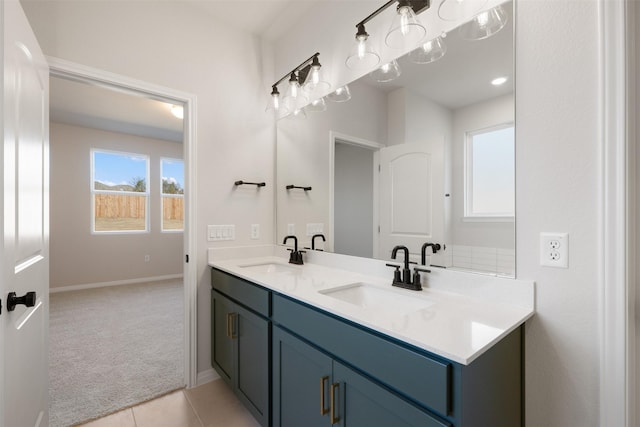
302	70
417	6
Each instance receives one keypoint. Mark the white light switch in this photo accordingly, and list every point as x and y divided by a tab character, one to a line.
315	228
221	232
291	229
255	231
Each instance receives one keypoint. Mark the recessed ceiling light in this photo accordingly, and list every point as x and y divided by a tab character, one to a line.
498	81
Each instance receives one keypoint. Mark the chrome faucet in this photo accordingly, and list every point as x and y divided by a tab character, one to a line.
406	281
296	256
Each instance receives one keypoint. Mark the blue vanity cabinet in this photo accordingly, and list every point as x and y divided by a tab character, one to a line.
312	389
241	351
295	365
301	383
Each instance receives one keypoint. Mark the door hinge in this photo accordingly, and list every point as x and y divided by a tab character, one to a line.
378	229
379	168
186	258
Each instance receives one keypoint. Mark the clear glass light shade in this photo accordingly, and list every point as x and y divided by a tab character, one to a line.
342	94
455	10
294	99
485	24
315	84
387	72
298	114
317	105
273	104
429	52
362	56
406	31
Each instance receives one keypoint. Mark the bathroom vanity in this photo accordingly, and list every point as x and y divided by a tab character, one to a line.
321	345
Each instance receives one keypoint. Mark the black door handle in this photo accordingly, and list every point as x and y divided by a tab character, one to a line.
28	299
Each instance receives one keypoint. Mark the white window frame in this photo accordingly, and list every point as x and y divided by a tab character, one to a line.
147	193
469	215
163	195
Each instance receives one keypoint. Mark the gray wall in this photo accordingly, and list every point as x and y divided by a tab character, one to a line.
79	257
353	200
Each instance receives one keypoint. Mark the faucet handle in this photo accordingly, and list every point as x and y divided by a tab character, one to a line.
424	270
397	278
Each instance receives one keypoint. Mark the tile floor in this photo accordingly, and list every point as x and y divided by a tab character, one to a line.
209	405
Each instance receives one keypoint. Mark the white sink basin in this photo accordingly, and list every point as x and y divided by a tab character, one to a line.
271	267
374	298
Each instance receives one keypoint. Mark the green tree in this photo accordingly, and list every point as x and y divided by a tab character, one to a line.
139	184
171	187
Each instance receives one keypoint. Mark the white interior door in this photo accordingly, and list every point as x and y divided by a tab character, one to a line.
24	255
411	197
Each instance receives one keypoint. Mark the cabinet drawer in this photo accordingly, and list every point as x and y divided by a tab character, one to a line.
243	292
417	376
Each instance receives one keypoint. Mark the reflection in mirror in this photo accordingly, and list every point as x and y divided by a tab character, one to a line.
425	158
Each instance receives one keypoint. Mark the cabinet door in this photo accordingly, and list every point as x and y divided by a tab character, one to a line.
358	402
301	382
253	361
222	342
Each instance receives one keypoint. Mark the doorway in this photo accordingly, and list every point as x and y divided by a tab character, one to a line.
155	220
354	195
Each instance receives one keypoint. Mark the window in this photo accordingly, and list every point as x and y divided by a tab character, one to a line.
120	191
172	173
490	173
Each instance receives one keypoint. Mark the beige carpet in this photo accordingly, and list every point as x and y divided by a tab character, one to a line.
113	347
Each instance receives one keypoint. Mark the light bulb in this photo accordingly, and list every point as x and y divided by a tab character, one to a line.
362	56
404	20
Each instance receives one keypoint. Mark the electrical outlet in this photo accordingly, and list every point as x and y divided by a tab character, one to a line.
255	231
147	258
554	249
291	229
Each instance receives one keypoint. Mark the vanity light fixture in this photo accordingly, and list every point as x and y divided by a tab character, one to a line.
342	94
430	51
457	10
485	24
387	72
295	96
405	31
317	105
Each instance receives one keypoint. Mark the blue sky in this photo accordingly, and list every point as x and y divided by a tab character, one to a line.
121	168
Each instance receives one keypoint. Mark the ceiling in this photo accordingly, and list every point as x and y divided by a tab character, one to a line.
93	106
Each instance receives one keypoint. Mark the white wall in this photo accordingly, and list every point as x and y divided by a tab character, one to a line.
304	156
79	257
173	45
557	181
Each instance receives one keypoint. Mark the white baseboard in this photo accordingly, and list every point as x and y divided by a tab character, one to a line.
207	376
114	283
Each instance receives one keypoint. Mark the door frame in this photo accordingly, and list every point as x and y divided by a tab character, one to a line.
335	138
618	232
73	71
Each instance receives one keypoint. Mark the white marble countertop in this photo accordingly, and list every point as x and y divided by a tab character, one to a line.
457	325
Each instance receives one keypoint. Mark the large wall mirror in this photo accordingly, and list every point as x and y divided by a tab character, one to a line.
425	158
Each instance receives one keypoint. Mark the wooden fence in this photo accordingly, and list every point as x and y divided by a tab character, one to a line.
124	206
